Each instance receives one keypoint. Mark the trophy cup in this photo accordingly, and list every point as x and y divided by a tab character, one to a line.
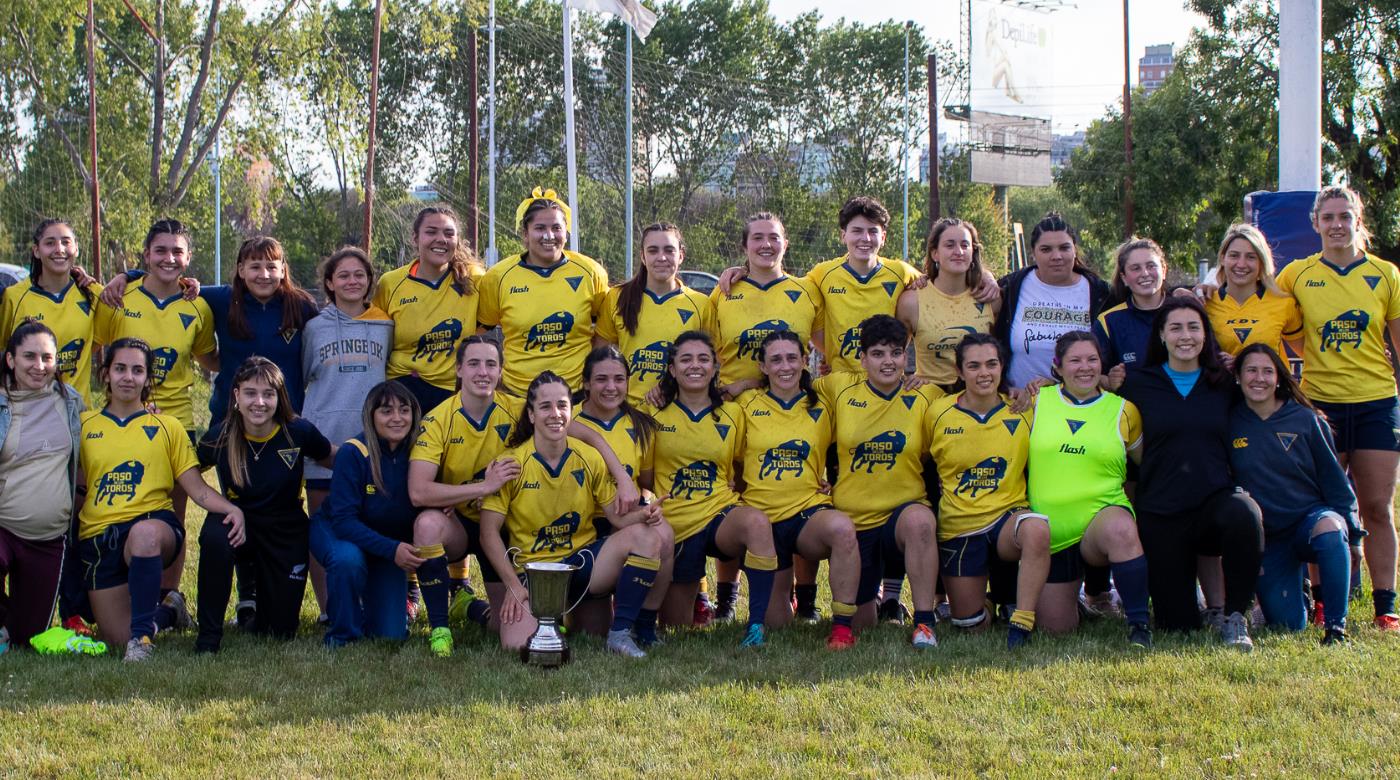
548	584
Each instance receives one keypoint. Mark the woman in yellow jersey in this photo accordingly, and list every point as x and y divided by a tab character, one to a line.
1349	300
52	297
765	300
944	311
433	302
1249	308
545	299
643	315
979	447
544	513
691	467
131	460
786	436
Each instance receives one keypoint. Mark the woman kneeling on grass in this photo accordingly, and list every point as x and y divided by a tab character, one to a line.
547	513
132	460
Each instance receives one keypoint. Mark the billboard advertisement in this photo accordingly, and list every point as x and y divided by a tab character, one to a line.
1011	72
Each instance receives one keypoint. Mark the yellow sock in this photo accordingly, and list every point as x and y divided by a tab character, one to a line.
1023	619
459	570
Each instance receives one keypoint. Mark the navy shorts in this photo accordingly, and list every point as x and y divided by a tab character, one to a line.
584	558
1368	425
473	529
785	534
104	555
969	556
1067	565
691	553
428	395
877	545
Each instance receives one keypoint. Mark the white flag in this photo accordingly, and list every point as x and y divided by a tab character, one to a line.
633	12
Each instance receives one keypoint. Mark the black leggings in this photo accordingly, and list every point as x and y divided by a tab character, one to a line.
275	552
1227	524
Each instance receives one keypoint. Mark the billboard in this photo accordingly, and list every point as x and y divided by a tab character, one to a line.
1011	73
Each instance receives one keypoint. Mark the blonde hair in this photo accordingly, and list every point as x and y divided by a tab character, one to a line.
1363	236
1256	240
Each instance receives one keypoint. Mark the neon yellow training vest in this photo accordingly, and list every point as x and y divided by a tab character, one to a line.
1077	462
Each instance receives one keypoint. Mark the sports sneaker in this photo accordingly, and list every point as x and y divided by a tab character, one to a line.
245	613
1017	637
139	649
813	615
4	639
923	637
175	600
415	602
704	612
622	643
1235	632
1389	623
440	642
841	638
754	637
647	638
1139	635
1213	618
724	612
461	602
891	611
77	625
1334	636
1317	613
943	612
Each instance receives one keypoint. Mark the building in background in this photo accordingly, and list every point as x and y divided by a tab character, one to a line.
1154	66
1062	146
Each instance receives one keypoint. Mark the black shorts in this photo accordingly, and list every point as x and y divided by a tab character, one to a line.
428	394
104	555
318	484
877	545
1368	425
970	555
1067	565
473	529
692	552
785	534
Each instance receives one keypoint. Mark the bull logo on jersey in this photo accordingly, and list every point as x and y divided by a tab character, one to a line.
68	357
850	342
439	341
698	477
162	363
552	331
880	450
650	359
986	475
752	338
558	535
786	458
1346	329
120	482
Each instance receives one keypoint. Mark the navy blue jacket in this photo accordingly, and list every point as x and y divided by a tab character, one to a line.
374	520
265	323
1124	331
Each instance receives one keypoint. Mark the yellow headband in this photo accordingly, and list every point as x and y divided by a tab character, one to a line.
552	197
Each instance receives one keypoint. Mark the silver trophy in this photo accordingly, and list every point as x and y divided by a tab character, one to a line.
548	584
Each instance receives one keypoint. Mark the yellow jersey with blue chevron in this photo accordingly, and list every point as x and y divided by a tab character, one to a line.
622	436
549	507
981	461
176	329
944	321
879	445
462	447
660	319
751	311
545	314
692	463
1345	311
1264	318
430	319
68	313
847	298
784	453
130	466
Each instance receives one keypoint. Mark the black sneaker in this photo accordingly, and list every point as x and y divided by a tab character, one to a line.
245	613
809	615
1139	635
724	612
1334	636
1017	637
892	611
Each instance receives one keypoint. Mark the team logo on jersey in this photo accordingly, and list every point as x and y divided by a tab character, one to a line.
786	458
150	431
1243	334
850	342
723	431
685	315
552	331
1074	426
187	320
578	476
890	287
573	281
558	535
1011	425
288	335
439	341
68	357
162	363
120	482
909	401
650	359
84	306
793	295
881	450
1372	281
698	477
289	456
986	475
815	414
752	338
1287	439
1346	329
298	573
503	430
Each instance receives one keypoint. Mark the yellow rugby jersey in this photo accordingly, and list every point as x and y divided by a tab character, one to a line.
1264	318
68	314
660	319
847	298
784	453
944	321
981	464
549	508
751	311
430	319
692	463
622	436
545	314
1345	311
462	447
130	466
879	445
176	329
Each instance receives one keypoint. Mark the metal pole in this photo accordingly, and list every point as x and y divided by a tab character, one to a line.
570	154
373	124
1128	220
474	152
214	161
627	206
92	143
1299	95
491	253
935	207
904	137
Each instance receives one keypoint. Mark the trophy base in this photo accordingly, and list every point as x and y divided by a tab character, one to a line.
546	659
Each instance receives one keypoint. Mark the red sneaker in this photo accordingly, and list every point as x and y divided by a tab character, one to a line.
841	638
1317	613
704	613
77	625
1388	623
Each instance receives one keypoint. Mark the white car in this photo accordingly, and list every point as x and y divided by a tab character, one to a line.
12	274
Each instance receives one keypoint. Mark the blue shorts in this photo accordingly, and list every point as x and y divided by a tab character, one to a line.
691	553
877	548
1067	565
584	558
473	529
104	555
1368	425
969	556
785	534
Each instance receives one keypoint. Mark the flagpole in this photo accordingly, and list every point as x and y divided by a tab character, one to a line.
491	254
627	222
570	157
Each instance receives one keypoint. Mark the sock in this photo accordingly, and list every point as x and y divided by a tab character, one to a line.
971	621
924	616
458	571
1131	578
1096	580
726	594
1333	562
760	570
841	613
1023	619
1385	602
1356	575
806	597
633	584
479	612
645	626
143	580
433	582
890	588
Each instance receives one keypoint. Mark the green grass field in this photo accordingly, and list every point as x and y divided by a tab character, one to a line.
1084	705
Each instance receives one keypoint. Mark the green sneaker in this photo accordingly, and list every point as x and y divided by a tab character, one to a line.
62	641
440	642
461	602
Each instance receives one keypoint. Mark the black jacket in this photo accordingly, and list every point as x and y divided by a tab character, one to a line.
1099	294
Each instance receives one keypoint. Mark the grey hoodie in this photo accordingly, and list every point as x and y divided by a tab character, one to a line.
342	358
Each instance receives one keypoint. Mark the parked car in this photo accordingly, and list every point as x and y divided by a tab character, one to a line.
699	281
12	274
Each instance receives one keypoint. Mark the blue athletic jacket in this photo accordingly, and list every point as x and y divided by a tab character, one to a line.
359	512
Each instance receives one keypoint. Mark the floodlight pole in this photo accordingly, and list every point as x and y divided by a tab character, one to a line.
1299	95
373	124
904	135
1128	219
935	208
